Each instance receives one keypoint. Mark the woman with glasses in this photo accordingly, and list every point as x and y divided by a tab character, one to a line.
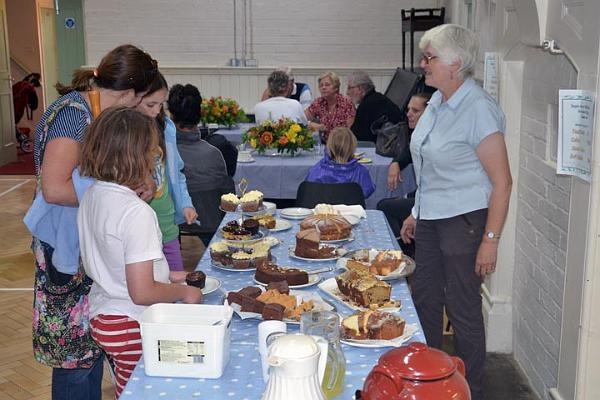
464	184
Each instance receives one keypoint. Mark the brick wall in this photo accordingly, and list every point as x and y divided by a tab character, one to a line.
542	223
310	33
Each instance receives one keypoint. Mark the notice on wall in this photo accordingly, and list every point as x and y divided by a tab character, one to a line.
490	74
575	127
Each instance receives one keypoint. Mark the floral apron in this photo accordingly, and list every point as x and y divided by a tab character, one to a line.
61	337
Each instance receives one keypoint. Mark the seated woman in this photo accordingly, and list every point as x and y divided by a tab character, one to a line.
184	107
278	105
205	168
338	164
331	109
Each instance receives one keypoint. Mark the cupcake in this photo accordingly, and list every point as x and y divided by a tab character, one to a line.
229	202
251	225
242	259
196	279
252	201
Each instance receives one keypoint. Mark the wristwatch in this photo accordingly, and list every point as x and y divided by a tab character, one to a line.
492	235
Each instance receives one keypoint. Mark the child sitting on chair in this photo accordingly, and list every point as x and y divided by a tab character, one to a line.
338	164
119	236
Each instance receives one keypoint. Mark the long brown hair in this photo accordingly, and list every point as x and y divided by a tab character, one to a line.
123	68
341	145
119	147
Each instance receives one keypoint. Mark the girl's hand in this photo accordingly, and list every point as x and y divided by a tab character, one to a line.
394	176
192	295
190	215
485	263
407	233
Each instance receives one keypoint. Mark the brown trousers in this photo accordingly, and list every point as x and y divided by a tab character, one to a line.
445	275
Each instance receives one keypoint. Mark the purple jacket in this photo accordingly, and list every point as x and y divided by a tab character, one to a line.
328	171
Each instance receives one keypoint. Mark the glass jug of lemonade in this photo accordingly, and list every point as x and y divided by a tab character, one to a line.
327	325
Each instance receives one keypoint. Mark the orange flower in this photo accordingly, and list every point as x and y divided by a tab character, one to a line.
283	140
266	138
224	109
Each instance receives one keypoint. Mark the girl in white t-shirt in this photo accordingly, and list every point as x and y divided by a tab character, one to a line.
120	240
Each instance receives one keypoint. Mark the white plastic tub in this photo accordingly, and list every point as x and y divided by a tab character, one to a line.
186	340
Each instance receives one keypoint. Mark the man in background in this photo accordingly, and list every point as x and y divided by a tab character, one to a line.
370	105
297	90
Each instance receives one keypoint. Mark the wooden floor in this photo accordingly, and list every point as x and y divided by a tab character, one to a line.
21	377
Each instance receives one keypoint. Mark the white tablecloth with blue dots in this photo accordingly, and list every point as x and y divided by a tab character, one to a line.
242	379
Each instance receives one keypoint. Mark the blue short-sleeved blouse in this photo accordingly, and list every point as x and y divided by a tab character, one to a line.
451	180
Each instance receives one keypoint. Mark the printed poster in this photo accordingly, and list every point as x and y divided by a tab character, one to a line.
575	129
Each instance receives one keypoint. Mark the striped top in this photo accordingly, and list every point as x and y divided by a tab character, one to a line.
69	123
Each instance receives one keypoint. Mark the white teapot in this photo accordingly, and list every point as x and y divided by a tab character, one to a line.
297	367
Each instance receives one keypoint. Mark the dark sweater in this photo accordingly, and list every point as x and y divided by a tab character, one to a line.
373	106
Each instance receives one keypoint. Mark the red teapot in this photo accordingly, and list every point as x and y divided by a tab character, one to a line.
416	372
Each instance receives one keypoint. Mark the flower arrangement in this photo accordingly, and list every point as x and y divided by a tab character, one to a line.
285	135
218	110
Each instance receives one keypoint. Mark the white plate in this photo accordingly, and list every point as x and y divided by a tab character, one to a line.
407	266
348	239
339	251
365	161
211	285
320	305
245	160
226	268
312	280
295	212
281	225
330	287
262	233
409	331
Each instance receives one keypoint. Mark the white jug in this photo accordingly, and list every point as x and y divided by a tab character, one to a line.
297	367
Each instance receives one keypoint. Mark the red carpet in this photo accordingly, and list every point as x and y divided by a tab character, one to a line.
23	166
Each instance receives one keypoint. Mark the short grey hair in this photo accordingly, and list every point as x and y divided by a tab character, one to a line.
453	43
278	83
288	71
362	79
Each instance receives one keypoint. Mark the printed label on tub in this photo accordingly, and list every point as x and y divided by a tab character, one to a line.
181	352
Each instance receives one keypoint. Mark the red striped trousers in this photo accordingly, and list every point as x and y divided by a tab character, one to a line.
119	336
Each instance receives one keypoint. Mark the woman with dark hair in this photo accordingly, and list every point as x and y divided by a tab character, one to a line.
61	336
205	165
171	202
184	107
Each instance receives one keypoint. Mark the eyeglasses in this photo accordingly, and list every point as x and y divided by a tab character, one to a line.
427	59
352	87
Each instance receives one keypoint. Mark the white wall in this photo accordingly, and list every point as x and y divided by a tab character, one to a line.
310	33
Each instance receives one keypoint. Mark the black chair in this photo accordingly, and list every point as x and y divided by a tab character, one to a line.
312	193
402	86
365	143
206	203
418	20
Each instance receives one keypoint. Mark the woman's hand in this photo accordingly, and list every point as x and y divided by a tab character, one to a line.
190	215
315	126
407	233
147	190
485	263
394	176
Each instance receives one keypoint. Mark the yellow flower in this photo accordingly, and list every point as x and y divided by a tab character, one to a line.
295	128
253	143
291	135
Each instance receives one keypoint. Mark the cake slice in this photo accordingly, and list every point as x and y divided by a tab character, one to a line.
371	324
386	262
364	289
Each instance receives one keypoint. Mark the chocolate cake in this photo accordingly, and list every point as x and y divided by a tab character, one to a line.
307	245
364	288
250	291
233	231
196	278
250	304
251	225
371	324
270	272
273	311
330	227
268	221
